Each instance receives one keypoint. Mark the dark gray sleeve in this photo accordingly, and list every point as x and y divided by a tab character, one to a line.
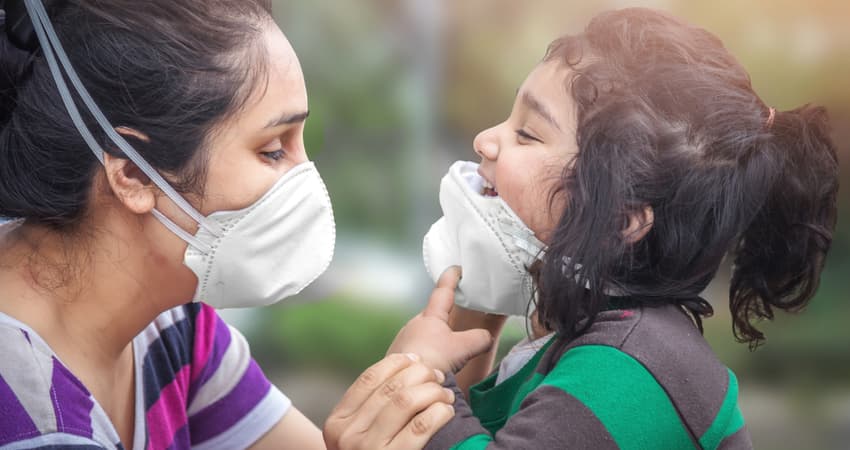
463	426
740	440
549	418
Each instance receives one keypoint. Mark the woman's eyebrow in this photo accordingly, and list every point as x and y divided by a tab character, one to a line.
288	119
535	105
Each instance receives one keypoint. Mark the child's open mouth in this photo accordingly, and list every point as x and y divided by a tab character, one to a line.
488	190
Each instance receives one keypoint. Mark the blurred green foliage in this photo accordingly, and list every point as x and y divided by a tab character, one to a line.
341	335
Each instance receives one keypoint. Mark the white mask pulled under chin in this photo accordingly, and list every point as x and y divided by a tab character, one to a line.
487	239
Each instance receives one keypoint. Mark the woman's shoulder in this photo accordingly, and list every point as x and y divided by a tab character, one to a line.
40	399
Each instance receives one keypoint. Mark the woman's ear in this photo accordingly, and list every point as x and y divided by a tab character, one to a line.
129	184
639	224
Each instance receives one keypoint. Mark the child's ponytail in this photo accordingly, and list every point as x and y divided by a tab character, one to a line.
778	259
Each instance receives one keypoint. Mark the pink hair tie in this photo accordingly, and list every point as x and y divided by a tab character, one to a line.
770	118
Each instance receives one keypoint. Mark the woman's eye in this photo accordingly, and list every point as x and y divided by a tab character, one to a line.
276	155
524	135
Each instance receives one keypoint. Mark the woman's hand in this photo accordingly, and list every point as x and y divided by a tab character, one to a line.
431	336
398	403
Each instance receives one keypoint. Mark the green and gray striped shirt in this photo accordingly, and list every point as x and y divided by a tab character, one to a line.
638	379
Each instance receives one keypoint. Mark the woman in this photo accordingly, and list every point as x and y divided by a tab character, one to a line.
153	153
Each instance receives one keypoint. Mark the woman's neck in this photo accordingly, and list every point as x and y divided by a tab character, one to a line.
87	296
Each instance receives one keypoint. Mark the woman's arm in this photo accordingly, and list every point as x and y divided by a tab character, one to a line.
294	432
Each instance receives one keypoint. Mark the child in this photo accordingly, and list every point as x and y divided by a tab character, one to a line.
638	156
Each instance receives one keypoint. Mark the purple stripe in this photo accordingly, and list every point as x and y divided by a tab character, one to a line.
15	422
72	402
233	407
181	439
26	335
220	344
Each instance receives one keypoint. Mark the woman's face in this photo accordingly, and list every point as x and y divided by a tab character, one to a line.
254	148
524	156
251	150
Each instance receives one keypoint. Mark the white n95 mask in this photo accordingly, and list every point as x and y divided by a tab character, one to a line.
254	256
487	239
270	250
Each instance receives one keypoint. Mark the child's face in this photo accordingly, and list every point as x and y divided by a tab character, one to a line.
524	156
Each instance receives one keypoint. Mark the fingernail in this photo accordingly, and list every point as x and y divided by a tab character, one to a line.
413	356
441	377
450	393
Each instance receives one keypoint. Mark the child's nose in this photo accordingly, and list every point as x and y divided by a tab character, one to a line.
486	145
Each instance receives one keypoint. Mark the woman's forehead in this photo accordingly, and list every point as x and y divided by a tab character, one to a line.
281	91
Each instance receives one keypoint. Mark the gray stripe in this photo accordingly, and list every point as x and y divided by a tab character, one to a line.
28	372
611	328
671	347
463	426
740	440
550	418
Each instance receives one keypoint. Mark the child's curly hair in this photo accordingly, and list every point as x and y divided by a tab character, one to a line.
667	118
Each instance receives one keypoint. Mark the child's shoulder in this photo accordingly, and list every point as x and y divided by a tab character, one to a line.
662	338
655	357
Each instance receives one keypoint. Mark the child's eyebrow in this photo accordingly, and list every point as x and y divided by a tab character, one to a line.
535	105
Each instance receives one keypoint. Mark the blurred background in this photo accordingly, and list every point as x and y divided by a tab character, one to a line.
399	88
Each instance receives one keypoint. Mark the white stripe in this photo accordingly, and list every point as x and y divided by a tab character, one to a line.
253	426
229	373
55	439
153	331
102	428
29	376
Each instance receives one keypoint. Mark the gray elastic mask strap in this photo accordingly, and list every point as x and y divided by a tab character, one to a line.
50	43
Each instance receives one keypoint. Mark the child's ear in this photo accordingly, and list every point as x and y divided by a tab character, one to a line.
639	222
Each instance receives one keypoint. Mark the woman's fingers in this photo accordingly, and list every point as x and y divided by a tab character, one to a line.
370	380
384	396
424	425
404	406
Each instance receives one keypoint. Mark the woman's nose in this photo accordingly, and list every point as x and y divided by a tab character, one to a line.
486	144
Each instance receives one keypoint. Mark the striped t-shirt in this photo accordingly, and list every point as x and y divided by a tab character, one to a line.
638	379
196	387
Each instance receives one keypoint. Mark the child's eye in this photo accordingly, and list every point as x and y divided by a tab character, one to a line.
276	155
522	134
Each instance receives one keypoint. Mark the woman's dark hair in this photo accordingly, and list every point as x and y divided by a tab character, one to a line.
668	119
171	70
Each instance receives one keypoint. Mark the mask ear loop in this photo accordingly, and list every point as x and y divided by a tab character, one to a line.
50	42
